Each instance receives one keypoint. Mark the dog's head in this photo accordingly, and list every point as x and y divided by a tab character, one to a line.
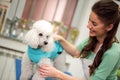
40	35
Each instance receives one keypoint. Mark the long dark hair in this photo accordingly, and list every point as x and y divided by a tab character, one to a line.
108	12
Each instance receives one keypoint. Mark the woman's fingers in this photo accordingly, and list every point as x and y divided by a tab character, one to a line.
43	70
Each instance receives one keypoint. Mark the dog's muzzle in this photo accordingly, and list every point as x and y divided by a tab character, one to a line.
39	46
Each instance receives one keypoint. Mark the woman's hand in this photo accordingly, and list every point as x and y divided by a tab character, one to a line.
48	71
68	47
57	37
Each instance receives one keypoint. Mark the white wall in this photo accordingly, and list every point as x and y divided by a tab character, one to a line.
118	32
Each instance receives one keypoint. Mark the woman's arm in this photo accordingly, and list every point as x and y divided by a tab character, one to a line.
68	47
64	76
50	71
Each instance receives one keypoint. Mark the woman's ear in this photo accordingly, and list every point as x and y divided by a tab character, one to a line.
109	27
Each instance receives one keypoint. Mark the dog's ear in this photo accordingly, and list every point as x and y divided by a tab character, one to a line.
31	38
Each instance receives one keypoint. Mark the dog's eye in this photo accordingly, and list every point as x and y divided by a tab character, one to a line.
47	36
40	34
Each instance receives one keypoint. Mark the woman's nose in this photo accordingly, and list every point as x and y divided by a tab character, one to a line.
89	25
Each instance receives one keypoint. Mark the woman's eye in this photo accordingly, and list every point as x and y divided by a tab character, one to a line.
94	23
40	34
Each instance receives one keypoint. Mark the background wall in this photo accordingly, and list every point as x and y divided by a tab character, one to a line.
118	32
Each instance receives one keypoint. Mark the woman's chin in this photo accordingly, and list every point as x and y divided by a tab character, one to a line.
91	35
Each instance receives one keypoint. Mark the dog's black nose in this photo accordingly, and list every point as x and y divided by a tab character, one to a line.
45	42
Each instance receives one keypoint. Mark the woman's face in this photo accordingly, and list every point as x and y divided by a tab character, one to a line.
96	27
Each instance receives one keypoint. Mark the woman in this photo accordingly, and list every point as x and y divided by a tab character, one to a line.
101	46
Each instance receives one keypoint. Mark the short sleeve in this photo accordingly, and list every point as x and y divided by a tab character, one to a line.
82	44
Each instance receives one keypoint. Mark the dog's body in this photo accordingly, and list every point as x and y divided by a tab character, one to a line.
41	49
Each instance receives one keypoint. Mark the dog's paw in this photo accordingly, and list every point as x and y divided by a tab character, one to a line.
37	76
45	61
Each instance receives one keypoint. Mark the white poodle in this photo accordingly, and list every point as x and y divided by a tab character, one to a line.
41	50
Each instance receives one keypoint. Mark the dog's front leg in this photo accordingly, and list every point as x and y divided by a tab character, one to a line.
37	76
27	68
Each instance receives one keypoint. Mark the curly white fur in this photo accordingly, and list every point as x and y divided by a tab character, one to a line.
39	36
34	39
